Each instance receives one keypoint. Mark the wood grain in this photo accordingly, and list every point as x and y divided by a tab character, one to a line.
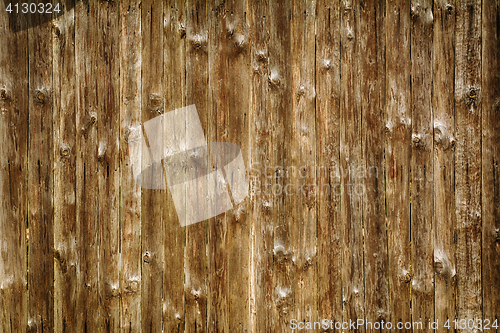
397	157
490	154
443	108
13	167
40	178
108	160
467	161
327	85
175	235
372	50
422	249
130	201
152	199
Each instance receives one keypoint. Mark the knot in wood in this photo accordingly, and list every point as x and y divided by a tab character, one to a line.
472	94
114	292
39	97
155	103
134	285
146	257
93	119
3	94
64	151
407	278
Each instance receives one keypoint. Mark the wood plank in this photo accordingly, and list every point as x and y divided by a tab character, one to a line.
40	177
196	92
303	154
422	247
66	231
152	199
175	235
108	160
467	160
490	159
328	164
87	193
353	293
397	156
130	118
279	105
13	164
230	237
262	154
443	108
372	51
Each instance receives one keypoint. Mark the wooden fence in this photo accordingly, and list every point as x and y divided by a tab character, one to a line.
371	137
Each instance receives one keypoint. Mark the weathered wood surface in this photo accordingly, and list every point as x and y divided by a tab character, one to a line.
468	207
13	173
370	135
443	102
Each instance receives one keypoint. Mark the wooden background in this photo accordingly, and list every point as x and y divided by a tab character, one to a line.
410	89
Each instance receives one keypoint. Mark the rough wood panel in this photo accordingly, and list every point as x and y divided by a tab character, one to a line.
175	236
40	178
130	118
262	154
108	160
13	163
279	105
443	108
152	199
87	216
422	256
397	156
303	154
196	92
230	235
329	256
490	36
468	187
372	66
67	233
353	292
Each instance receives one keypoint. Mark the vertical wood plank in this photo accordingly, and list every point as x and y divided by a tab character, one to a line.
196	92
108	159
230	239
353	293
372	55
175	236
397	156
303	153
467	160
328	164
87	216
152	200
40	178
422	256
130	118
13	164
262	154
67	233
443	107
490	158
279	104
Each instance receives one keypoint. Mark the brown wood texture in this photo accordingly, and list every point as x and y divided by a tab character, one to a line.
490	155
443	108
13	168
372	63
40	178
130	57
422	247
468	188
70	266
108	160
398	158
369	132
